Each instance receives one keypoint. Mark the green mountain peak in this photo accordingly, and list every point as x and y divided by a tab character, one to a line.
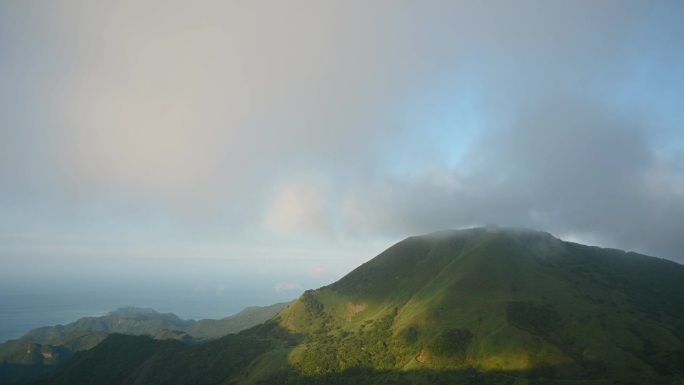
496	299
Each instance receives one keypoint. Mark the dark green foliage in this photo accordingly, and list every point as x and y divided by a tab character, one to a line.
672	362
371	347
410	335
28	359
110	362
367	376
122	359
311	304
452	344
13	373
532	317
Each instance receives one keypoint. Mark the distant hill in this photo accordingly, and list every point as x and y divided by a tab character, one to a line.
479	306
42	349
128	320
210	328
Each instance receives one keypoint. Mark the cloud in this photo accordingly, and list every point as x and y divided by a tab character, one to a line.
298	208
321	272
412	117
195	104
568	165
287	286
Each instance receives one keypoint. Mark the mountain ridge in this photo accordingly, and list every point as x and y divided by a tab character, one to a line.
486	305
42	349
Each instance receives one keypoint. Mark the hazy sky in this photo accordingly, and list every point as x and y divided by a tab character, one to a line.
290	141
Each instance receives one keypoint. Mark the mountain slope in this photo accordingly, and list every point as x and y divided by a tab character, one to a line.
504	299
487	305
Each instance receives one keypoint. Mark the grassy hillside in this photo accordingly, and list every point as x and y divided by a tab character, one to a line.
510	300
479	306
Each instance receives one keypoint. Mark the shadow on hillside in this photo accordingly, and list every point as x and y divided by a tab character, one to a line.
469	376
260	356
583	372
13	373
362	376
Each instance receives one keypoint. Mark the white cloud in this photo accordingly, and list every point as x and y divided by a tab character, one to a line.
299	208
287	286
321	272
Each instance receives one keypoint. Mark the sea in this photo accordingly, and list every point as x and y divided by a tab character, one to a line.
21	311
57	295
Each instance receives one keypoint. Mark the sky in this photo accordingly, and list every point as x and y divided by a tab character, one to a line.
240	144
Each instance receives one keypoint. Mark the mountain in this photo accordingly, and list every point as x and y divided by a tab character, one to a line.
506	300
487	305
127	320
254	315
42	349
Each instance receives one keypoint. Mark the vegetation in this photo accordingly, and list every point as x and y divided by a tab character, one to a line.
511	300
532	317
452	346
123	359
472	307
